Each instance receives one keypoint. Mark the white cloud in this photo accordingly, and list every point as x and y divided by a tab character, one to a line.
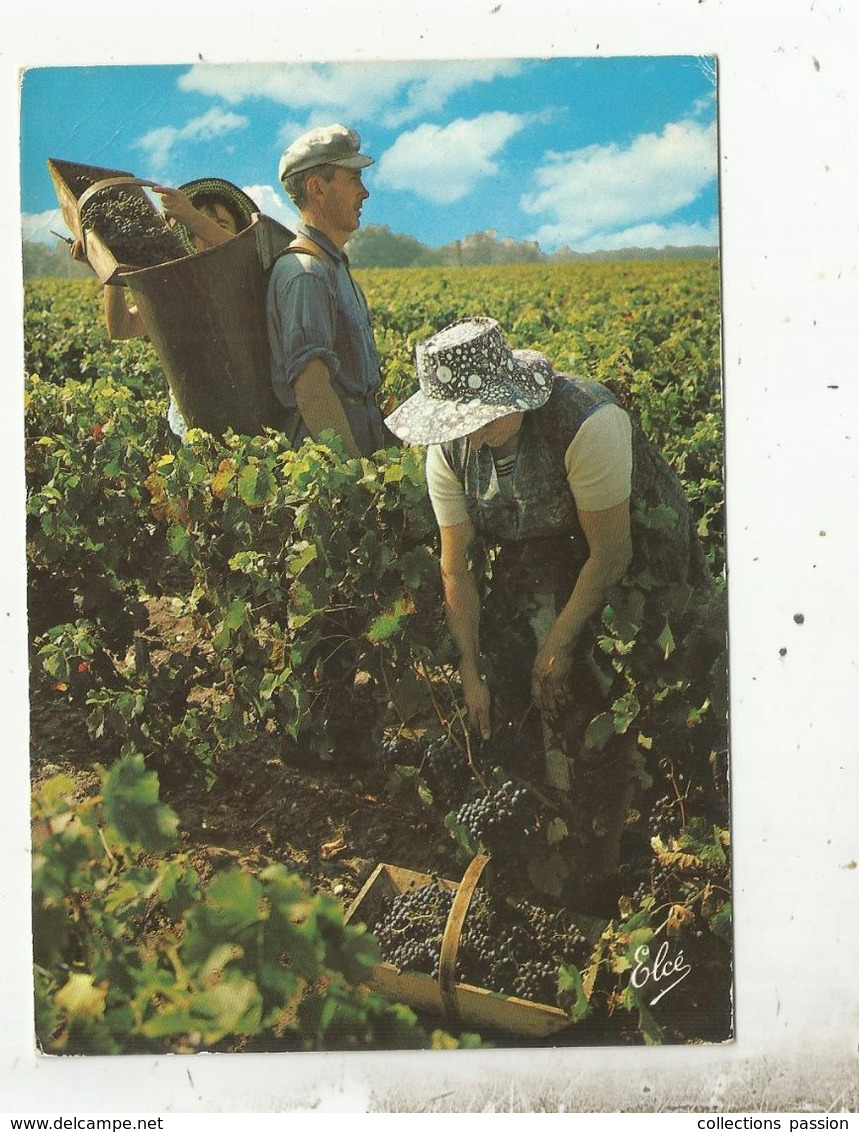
274	203
442	163
159	143
431	85
292	129
603	188
37	226
654	236
351	92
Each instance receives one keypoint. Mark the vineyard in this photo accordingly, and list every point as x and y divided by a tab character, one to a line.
244	697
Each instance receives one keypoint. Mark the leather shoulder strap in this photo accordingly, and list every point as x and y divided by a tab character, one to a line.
308	247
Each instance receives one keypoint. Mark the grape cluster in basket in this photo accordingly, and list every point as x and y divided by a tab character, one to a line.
129	226
512	949
518	949
411	928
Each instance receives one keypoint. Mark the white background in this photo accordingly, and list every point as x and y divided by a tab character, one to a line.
789	121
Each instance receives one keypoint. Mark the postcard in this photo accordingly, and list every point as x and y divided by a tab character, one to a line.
374	457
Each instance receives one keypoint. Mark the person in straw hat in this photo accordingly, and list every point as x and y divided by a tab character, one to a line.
549	470
203	213
324	365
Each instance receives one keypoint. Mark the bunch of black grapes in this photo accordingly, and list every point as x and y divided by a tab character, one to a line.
512	949
133	231
442	765
645	875
499	820
397	751
411	927
662	879
445	768
665	817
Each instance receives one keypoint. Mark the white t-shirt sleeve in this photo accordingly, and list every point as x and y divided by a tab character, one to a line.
445	491
599	460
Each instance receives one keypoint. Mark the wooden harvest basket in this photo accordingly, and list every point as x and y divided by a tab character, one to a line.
459	1003
206	317
205	313
74	184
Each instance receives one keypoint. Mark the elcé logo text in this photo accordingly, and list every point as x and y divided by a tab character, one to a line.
662	968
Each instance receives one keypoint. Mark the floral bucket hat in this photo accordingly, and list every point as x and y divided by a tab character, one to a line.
242	207
468	378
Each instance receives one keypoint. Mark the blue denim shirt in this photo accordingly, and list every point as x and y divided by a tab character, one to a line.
316	309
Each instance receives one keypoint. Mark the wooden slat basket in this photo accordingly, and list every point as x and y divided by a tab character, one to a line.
206	317
75	184
460	1004
205	313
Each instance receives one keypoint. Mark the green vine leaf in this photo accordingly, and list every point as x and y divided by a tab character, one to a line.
556	831
572	996
132	807
666	641
390	622
600	729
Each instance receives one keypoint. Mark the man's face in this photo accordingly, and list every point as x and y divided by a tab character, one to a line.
341	200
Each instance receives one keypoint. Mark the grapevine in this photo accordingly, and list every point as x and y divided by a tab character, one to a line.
307	590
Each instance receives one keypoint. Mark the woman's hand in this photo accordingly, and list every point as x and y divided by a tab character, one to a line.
208	232
176	204
550	679
478	702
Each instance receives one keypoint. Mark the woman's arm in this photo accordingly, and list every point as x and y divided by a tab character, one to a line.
121	320
610	545
462	605
178	206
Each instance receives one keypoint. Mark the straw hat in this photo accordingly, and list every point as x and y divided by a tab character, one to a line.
468	378
231	195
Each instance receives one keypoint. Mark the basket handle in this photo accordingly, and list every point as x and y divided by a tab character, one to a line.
109	183
452	933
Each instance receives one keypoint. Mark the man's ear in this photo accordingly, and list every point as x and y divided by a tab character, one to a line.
314	186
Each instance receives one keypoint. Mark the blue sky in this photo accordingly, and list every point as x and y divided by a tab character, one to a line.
589	153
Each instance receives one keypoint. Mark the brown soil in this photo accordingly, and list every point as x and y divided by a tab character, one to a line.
328	823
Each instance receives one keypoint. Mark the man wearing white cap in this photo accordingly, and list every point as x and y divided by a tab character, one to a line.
324	365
